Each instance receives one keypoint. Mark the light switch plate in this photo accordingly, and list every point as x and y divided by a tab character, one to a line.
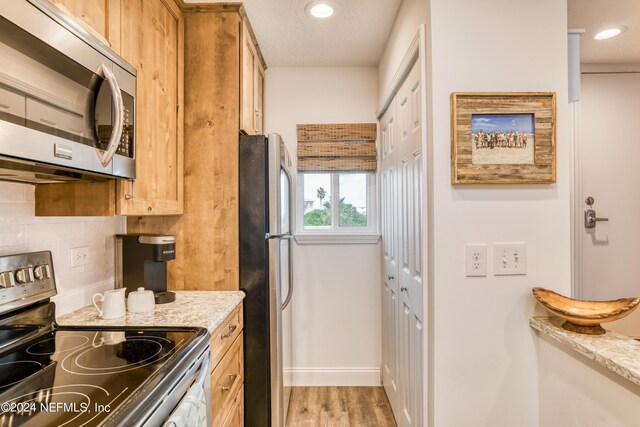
509	259
476	259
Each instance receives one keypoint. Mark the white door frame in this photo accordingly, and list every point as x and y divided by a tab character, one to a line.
576	202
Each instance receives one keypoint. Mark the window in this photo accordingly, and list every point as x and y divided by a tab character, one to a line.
336	184
337	202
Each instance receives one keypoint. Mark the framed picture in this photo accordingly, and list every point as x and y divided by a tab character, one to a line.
503	138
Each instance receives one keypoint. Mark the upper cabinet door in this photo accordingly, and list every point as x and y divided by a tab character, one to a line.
248	61
258	97
100	17
152	41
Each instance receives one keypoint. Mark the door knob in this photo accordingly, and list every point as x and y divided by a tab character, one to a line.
590	217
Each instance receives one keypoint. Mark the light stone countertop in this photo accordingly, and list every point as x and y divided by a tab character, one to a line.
616	352
205	309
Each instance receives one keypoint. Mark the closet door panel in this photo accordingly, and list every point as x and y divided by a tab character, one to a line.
411	269
415	386
405	416
388	210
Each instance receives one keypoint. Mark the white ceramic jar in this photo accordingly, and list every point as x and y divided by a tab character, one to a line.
141	301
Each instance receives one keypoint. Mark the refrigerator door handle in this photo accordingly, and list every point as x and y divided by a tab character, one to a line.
268	236
290	291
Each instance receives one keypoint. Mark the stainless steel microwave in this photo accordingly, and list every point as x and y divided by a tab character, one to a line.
67	102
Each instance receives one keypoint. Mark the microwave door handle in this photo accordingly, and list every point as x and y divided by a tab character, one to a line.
118	125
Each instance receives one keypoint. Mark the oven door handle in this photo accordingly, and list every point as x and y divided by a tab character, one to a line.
165	403
118	124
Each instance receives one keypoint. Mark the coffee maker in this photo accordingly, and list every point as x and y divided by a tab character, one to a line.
141	260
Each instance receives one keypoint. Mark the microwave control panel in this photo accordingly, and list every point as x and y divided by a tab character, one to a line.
126	140
104	122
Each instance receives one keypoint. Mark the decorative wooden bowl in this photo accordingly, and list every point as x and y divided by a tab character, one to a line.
584	317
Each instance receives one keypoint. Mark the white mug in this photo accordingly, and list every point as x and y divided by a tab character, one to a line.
112	304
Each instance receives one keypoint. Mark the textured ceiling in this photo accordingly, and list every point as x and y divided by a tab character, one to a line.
596	15
355	35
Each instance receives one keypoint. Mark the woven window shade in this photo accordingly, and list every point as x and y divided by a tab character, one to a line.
337	147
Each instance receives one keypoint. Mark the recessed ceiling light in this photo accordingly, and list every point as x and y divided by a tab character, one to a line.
609	33
319	9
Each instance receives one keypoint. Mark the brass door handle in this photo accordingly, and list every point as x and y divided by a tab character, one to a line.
232	328
232	379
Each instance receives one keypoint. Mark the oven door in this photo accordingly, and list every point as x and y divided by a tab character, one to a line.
188	401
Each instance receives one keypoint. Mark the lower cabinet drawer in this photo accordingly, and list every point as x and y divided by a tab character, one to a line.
225	335
226	381
236	414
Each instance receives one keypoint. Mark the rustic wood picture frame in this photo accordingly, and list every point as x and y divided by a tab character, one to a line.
542	105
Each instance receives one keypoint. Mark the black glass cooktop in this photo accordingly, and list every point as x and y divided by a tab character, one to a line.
80	377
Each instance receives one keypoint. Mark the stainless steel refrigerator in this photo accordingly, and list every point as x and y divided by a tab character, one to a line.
265	202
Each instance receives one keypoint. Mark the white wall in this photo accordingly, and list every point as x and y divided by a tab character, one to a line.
577	392
484	368
411	14
336	302
21	231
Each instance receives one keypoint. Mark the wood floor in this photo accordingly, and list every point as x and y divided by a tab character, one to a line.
339	407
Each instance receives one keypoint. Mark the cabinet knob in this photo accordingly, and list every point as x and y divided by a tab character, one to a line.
232	380
390	277
232	328
403	289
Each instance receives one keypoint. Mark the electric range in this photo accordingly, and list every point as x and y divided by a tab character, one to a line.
77	376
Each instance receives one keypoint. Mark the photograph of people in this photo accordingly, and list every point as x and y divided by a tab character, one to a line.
502	138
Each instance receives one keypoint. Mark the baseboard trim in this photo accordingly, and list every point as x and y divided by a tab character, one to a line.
315	377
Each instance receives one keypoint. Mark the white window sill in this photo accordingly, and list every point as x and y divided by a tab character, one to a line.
337	238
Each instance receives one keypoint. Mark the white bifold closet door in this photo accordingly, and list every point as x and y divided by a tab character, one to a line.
401	210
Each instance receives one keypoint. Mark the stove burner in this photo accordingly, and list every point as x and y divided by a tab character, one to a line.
47	346
134	353
140	349
15	371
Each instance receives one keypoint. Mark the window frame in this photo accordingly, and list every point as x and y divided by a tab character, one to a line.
359	233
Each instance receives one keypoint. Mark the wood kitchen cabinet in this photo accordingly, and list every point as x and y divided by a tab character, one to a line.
153	42
100	17
252	84
151	39
258	97
207	234
227	372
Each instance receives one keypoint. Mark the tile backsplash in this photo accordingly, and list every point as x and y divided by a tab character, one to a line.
21	231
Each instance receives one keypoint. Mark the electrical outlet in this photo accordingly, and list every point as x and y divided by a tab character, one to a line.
476	259
80	256
509	259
